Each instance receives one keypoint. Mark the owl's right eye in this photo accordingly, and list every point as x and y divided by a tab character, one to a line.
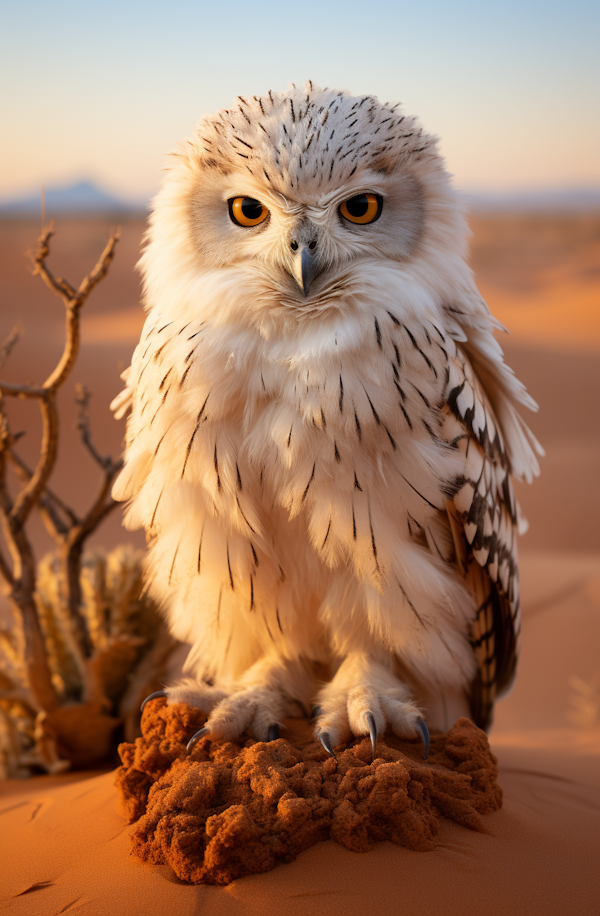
246	211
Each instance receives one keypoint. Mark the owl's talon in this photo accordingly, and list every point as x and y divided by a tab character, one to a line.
153	696
372	730
326	742
425	735
315	713
199	734
273	733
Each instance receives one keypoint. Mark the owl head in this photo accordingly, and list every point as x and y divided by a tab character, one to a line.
297	199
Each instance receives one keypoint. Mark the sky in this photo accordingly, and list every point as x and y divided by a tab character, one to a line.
101	91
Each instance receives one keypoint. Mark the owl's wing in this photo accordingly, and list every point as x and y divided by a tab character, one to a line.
484	520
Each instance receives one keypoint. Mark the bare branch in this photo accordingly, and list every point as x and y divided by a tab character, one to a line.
22	602
73	300
13	515
21	582
9	343
101	268
49	501
24	469
74	304
5	500
58	286
29	495
82	398
100	508
21	391
72	622
5	571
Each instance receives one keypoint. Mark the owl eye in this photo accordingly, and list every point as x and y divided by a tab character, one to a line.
364	208
245	211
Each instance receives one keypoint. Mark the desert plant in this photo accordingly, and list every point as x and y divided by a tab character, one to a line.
86	644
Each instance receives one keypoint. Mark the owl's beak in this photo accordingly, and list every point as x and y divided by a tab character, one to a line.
304	268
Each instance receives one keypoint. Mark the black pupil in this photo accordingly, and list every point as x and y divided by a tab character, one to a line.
251	208
358	206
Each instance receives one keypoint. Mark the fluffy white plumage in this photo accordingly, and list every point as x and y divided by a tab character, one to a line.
324	478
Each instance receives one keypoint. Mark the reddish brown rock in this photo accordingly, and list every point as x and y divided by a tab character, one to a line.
228	810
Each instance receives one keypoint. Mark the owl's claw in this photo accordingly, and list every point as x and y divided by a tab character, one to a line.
153	696
199	734
326	742
372	730
425	735
273	733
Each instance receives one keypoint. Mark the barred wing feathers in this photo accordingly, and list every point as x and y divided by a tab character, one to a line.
484	520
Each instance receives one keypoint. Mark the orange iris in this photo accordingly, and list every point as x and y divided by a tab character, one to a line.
246	211
362	209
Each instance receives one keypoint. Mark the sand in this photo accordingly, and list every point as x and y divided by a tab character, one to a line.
64	846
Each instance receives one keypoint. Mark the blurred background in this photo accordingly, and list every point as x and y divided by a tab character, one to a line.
93	97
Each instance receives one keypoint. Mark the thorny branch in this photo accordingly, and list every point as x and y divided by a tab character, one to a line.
69	535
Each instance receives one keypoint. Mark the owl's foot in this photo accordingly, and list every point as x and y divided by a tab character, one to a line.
255	704
194	693
363	699
255	710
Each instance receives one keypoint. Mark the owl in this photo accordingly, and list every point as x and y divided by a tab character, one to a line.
322	429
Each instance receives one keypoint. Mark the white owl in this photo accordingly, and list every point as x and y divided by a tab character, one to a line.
323	430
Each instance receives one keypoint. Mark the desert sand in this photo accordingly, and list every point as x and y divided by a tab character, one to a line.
65	847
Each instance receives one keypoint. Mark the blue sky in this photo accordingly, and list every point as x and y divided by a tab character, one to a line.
512	89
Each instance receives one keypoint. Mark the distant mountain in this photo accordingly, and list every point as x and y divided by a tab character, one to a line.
85	197
544	200
80	198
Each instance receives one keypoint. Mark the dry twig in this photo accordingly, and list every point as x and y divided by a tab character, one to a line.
88	645
20	576
9	343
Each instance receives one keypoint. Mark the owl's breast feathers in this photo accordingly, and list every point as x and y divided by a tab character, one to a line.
387	447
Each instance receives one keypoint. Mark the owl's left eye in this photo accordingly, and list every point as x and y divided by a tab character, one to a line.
362	208
246	211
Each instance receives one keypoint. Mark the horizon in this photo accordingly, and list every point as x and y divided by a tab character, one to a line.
102	197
